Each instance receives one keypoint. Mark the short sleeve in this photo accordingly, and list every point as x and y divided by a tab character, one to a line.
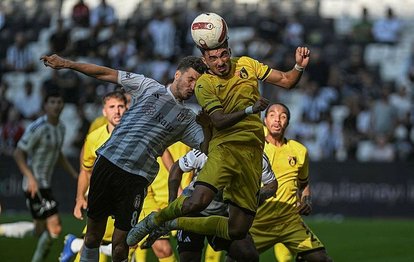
194	159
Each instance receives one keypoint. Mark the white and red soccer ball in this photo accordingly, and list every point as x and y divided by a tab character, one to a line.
209	30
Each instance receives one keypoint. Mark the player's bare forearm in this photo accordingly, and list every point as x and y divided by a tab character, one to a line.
267	191
83	183
290	78
174	181
99	72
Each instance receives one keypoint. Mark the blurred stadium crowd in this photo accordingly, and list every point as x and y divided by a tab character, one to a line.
354	102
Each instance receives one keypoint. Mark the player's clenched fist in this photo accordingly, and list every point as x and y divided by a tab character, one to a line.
260	105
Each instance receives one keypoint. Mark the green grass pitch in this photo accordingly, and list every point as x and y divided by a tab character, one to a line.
349	239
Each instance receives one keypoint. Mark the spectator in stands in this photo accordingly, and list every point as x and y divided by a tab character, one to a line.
80	14
362	29
162	31
4	102
28	102
388	29
19	56
59	41
103	15
383	117
11	132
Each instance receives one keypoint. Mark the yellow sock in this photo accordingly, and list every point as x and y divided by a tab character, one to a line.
211	225
173	210
140	254
168	259
211	255
282	253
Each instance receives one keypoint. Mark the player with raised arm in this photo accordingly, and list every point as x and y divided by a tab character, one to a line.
126	163
229	93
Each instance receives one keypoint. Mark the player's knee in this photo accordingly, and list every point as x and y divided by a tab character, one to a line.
237	233
246	253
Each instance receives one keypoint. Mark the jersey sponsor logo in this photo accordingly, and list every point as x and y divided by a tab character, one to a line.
161	119
292	160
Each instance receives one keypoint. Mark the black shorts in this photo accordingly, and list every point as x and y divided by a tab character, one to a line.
115	192
43	205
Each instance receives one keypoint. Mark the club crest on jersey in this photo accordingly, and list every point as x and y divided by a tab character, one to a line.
149	109
243	73
292	160
182	115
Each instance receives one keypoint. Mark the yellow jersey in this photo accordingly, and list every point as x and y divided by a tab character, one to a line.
232	93
290	164
98	122
92	142
160	185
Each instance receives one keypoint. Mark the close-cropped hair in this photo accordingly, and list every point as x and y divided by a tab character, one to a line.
115	94
225	44
193	62
54	92
280	104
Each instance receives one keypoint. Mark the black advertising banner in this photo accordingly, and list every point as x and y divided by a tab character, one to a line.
340	188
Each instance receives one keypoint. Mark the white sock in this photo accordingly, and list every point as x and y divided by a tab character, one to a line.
106	249
76	245
16	229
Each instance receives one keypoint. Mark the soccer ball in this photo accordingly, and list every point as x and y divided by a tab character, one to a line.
209	30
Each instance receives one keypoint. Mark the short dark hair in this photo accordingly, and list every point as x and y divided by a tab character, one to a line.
225	44
193	62
53	92
115	94
280	104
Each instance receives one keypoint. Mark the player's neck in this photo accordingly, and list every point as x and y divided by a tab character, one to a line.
52	120
277	141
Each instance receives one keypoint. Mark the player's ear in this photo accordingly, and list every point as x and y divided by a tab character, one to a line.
177	74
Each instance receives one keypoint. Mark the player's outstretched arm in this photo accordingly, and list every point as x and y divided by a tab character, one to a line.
99	72
291	78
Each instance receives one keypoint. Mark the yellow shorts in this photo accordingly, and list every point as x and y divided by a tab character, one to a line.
293	233
236	169
108	231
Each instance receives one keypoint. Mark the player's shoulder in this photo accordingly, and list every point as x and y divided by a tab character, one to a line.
98	132
297	146
38	124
